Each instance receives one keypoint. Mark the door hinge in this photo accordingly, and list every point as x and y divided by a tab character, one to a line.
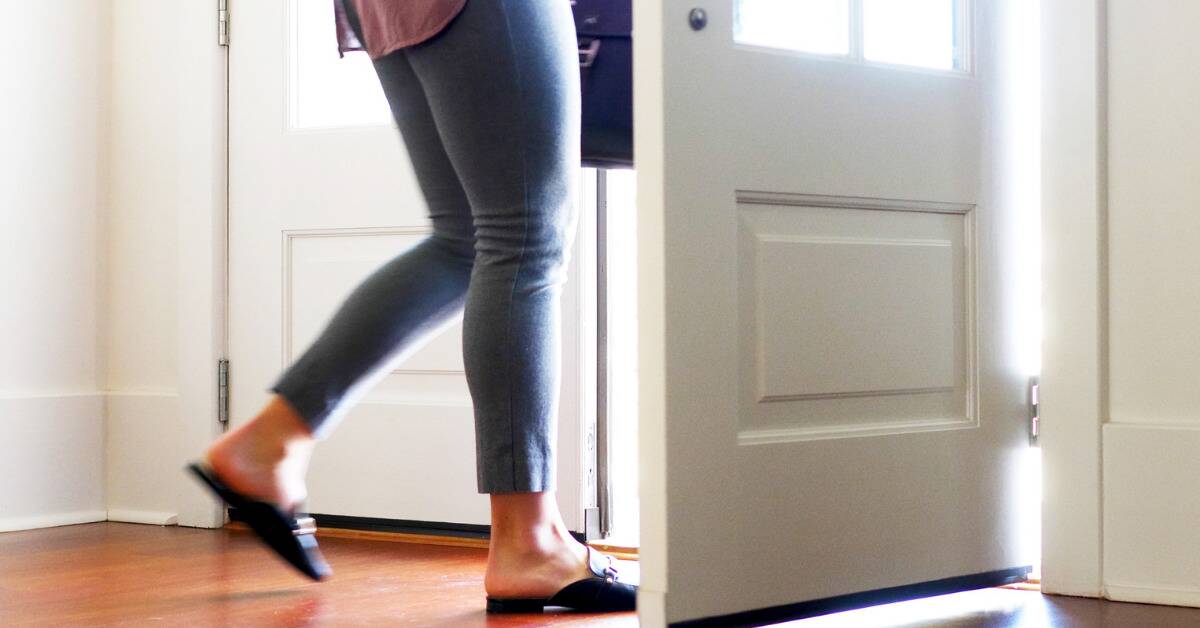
222	22
223	391
1034	412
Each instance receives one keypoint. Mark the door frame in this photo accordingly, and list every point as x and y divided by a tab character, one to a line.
201	201
1073	391
651	294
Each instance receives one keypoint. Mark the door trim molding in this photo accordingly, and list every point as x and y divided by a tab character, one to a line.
287	269
765	435
825	606
1073	391
753	197
1152	595
201	68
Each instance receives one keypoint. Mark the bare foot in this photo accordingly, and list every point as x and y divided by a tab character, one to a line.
531	554
535	574
267	457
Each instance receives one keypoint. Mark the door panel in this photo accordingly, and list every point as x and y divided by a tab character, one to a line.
320	269
842	398
872	335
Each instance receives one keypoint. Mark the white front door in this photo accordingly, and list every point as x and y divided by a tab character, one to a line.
322	193
833	378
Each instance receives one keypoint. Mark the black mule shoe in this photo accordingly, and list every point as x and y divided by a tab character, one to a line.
293	540
603	592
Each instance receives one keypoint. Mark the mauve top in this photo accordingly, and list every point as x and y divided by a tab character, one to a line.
389	25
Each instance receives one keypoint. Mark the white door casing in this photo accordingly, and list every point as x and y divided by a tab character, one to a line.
834	391
313	211
1073	387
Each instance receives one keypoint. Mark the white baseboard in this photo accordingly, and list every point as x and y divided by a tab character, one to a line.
51	459
1151	507
53	520
80	457
1055	589
148	517
1152	595
144	470
651	608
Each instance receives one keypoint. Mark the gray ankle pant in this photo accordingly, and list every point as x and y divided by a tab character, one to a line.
489	112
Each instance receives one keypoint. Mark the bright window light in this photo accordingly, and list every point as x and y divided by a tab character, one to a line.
918	33
1020	68
621	215
937	611
819	26
913	32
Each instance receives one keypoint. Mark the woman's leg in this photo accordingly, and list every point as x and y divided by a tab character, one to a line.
387	317
503	85
503	88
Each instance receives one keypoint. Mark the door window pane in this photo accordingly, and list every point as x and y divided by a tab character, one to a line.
820	26
920	33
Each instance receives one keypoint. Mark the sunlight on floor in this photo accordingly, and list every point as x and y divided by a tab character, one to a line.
957	607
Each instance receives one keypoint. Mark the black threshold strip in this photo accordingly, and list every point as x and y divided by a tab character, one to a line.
841	603
405	526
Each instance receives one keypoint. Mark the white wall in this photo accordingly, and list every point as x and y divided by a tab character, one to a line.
111	165
141	334
53	123
142	241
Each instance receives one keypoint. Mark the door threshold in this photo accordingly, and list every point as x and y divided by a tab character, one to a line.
622	552
1030	584
419	538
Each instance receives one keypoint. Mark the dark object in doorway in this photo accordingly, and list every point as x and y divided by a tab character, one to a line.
604	29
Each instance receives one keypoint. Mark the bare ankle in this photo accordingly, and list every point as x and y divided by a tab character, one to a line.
527	520
542	541
281	422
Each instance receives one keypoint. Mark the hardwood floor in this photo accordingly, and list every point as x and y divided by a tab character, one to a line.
111	574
